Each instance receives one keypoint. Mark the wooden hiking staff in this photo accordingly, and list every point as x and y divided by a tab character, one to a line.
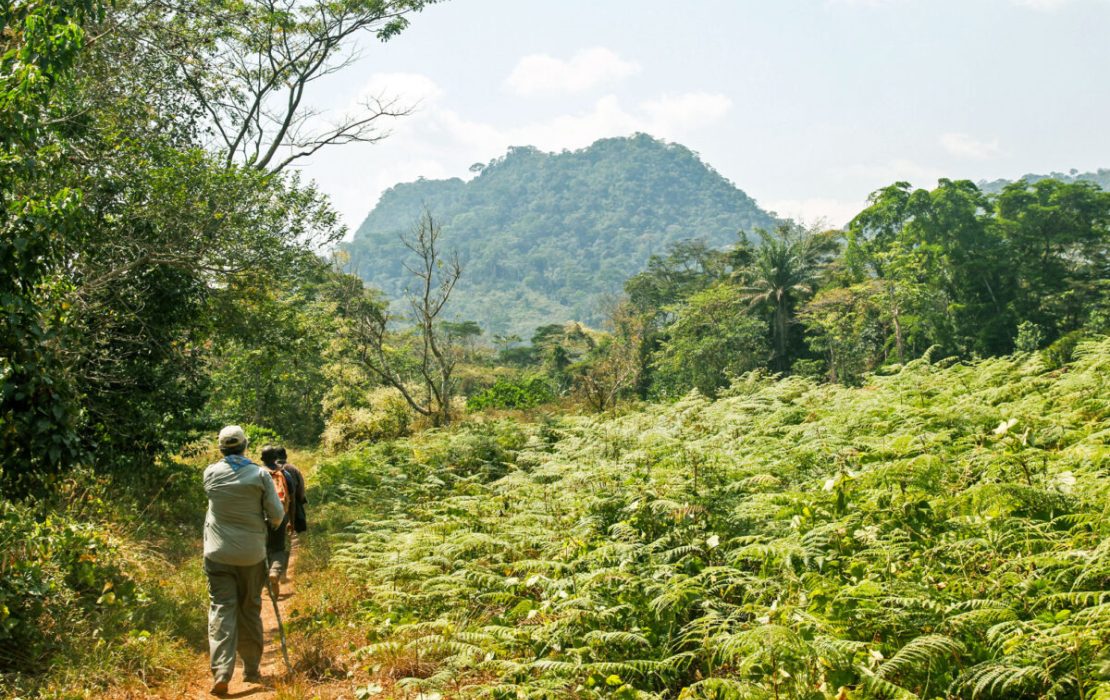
281	626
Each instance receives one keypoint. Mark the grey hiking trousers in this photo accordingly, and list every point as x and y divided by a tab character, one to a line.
234	616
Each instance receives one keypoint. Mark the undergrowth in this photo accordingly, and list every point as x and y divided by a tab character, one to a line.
940	532
101	591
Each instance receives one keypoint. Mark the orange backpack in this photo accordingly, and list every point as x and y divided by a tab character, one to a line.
285	494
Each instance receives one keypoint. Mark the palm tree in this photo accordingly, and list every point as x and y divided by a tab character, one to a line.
783	274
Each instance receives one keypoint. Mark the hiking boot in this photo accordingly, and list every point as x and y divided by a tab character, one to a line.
275	585
253	678
219	688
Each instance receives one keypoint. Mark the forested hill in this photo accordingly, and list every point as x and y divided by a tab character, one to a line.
543	236
1101	177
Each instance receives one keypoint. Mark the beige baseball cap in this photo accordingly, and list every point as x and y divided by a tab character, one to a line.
233	437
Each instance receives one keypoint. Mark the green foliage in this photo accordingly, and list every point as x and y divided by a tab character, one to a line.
960	270
508	393
938	532
542	236
1062	351
1030	337
86	603
713	339
128	243
784	272
269	362
381	414
38	411
53	566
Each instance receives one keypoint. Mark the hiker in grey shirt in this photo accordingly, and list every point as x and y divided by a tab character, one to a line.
242	506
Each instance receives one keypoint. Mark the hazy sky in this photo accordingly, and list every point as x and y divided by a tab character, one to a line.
807	105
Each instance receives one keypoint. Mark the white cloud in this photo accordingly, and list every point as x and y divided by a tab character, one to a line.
667	117
541	75
413	87
966	146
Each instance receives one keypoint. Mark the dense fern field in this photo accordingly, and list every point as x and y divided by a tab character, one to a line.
940	532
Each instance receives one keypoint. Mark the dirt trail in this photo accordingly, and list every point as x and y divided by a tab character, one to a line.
273	666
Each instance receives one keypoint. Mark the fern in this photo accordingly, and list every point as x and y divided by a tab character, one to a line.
884	538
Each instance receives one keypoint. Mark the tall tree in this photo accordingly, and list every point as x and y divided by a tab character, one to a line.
39	45
785	270
1058	237
713	339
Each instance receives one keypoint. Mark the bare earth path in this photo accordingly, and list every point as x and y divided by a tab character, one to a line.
273	667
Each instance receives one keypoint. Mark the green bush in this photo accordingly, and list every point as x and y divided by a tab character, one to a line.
57	575
258	435
508	393
1062	351
386	418
1030	337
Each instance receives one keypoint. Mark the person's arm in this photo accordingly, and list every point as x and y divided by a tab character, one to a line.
271	504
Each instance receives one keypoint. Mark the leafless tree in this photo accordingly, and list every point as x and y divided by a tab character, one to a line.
251	66
613	367
432	358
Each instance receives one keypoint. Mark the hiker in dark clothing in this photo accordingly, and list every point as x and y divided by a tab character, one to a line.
299	521
277	542
242	501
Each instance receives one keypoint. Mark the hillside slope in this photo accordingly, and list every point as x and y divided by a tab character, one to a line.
542	236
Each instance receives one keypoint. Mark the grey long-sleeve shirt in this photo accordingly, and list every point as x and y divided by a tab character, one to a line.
241	499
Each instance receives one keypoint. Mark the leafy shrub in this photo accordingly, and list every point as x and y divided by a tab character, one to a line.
388	417
813	369
1030	337
509	393
258	435
57	575
1062	351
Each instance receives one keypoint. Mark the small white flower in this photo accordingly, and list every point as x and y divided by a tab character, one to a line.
1005	426
1065	481
830	484
713	541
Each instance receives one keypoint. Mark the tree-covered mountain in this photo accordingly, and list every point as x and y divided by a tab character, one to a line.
542	237
1101	177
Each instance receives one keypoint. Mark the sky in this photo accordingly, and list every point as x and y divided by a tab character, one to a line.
806	105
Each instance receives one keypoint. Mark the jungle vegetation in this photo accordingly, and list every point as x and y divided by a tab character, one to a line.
939	532
776	462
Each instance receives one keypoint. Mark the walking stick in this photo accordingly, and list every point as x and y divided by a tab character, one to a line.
277	614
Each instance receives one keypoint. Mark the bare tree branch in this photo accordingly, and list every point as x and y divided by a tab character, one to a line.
435	355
